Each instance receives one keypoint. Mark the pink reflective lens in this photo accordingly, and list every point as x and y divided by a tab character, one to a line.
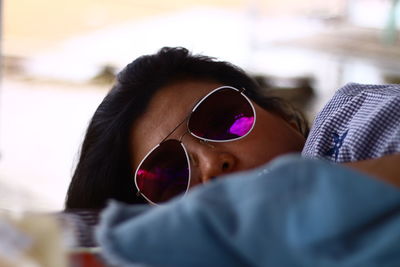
164	173
223	115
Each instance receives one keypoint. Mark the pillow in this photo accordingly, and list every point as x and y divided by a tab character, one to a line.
292	212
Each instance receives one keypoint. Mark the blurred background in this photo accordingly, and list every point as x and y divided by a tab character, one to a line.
59	59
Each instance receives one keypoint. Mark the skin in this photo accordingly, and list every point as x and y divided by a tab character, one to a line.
271	136
386	168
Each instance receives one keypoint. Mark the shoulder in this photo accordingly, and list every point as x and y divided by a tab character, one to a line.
356	95
362	120
354	89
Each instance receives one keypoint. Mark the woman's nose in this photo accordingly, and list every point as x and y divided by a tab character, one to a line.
209	162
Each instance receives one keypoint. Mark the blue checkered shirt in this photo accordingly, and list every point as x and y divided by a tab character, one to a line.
359	122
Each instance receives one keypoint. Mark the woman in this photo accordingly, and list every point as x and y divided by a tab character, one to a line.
151	96
191	118
175	120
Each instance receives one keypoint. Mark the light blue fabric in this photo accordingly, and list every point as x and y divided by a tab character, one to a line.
292	212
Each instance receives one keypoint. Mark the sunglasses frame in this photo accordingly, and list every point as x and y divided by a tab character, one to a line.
187	119
204	98
145	157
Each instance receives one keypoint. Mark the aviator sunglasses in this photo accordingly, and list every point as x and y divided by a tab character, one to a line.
223	115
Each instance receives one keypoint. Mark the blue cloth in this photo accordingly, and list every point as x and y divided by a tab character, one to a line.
292	212
359	122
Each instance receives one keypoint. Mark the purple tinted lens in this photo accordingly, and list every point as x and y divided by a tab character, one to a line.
164	173
224	115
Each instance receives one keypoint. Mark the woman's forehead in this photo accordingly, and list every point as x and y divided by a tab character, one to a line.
167	108
172	103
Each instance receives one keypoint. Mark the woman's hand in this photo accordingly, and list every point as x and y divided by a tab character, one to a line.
386	168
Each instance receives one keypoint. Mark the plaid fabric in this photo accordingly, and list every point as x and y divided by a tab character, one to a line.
359	122
82	224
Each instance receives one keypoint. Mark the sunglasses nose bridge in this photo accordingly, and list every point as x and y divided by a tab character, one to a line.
217	165
207	161
183	135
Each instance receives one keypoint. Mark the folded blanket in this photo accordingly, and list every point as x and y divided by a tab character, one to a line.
292	212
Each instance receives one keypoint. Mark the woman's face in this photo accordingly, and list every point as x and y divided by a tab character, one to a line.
271	136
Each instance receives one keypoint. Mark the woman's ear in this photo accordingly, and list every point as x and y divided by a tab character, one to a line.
293	123
299	125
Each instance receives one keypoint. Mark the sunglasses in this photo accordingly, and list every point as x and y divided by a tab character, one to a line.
223	115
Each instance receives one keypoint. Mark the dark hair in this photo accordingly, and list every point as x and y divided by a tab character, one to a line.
103	170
